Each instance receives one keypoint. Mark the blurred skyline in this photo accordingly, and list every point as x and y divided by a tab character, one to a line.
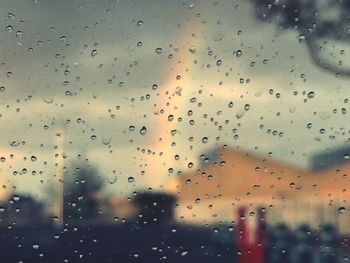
88	70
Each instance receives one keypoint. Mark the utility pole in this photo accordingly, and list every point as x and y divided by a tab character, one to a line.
58	180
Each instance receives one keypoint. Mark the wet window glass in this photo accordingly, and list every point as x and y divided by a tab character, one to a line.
174	131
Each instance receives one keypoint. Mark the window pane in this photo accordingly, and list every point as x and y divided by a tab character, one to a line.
146	131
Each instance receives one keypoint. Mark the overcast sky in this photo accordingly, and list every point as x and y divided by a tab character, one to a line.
88	69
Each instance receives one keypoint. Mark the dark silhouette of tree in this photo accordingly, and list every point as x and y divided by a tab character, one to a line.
155	207
305	17
22	209
81	187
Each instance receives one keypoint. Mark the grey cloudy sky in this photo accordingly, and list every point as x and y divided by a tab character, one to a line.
86	69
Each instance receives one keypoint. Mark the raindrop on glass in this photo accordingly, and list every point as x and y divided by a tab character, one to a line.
341	210
143	130
93	53
159	50
9	28
131	179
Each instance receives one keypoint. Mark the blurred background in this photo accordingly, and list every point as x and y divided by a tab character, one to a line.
174	130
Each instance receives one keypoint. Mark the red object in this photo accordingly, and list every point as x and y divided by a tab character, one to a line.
251	251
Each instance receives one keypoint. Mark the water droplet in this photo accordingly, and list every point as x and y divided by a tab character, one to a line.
192	49
240	114
9	28
170	117
19	34
301	37
93	53
140	23
106	140
311	95
11	16
184	253
131	179
14	143
143	130
238	53
36	246
113	181
159	50
341	210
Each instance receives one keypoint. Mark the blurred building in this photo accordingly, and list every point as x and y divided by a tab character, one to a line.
229	179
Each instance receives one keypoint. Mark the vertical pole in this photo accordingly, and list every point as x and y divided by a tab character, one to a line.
58	206
320	214
261	237
242	236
